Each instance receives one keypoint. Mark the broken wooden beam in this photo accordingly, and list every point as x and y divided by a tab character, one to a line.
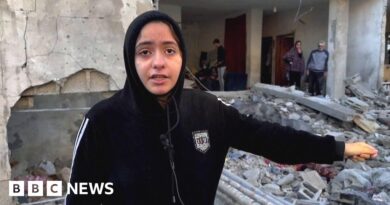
366	125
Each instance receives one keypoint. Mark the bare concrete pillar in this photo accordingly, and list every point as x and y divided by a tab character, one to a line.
337	47
367	41
254	36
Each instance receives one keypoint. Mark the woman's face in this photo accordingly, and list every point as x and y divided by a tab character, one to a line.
298	45
158	58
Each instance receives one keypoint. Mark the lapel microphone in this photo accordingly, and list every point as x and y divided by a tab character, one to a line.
165	142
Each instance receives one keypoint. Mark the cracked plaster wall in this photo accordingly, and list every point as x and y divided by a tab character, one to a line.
44	40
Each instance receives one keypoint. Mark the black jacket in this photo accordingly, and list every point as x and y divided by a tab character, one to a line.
120	141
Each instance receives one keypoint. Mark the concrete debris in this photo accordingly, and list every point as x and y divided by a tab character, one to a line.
383	116
352	178
385	121
383	140
320	104
325	106
286	180
361	91
314	179
355	104
364	124
42	171
357	88
289	104
309	192
352	80
294	116
48	166
252	175
353	198
273	189
311	183
306	118
382	197
329	172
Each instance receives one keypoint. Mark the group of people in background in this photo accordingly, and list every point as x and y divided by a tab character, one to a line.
315	71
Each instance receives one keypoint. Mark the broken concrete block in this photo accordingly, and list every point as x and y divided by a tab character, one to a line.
314	179
252	175
294	116
361	91
286	180
354	198
277	91
355	104
364	124
383	140
353	79
382	197
306	118
385	121
272	188
289	104
48	166
355	85
353	178
380	178
327	107
309	192
323	105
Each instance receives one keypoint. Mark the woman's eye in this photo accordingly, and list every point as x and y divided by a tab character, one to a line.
144	52
170	51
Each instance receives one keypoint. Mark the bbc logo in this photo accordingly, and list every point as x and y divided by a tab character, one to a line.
35	188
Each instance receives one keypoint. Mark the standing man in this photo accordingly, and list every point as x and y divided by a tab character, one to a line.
317	68
221	67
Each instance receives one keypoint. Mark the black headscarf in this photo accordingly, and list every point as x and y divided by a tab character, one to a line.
145	101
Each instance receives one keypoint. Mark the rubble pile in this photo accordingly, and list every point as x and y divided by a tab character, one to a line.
345	182
43	171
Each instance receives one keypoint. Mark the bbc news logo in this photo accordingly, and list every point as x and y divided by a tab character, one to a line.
54	188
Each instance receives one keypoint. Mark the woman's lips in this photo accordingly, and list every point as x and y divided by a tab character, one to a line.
158	79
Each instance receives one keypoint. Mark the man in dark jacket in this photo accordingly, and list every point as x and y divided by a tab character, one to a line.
220	65
159	144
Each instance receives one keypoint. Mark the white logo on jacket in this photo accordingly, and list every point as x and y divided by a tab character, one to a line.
201	140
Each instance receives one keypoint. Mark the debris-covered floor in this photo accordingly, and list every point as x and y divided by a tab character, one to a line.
264	182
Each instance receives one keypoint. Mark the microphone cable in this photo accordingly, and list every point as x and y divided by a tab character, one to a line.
166	141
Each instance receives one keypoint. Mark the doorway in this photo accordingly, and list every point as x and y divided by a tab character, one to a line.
266	60
283	44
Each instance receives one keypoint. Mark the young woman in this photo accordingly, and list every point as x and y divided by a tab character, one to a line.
160	144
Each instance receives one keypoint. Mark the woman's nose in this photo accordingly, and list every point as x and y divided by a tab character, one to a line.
158	60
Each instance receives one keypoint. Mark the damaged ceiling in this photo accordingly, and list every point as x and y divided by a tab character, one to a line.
204	9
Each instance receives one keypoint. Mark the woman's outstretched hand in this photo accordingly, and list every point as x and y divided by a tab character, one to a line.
360	151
